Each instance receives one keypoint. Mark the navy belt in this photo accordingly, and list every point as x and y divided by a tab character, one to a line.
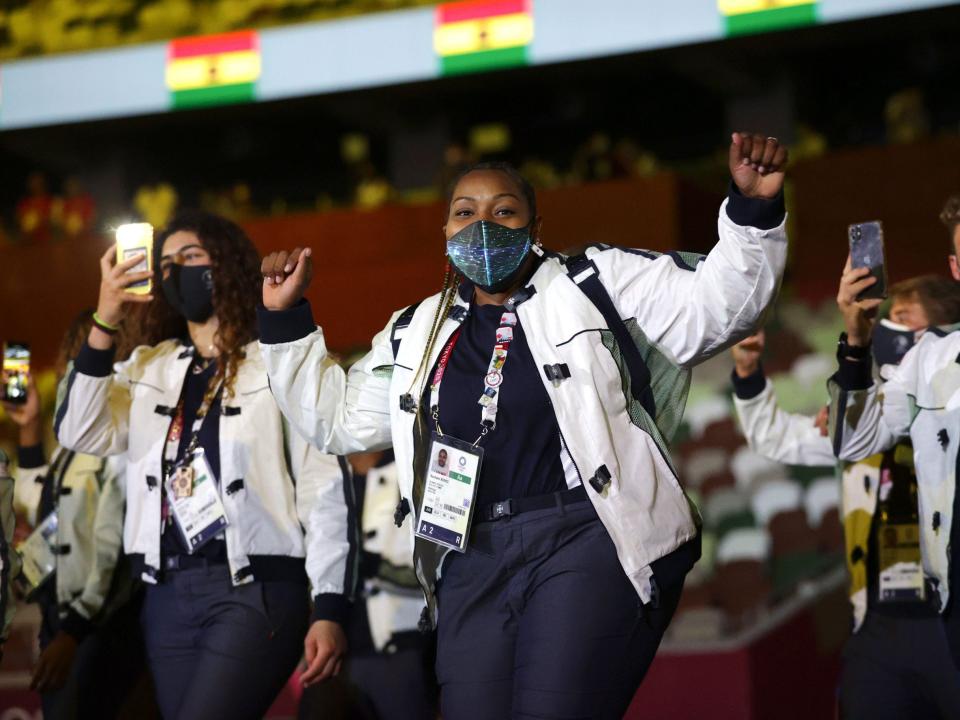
189	562
518	506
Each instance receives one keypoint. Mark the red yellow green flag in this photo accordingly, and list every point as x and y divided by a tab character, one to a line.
481	35
753	16
213	69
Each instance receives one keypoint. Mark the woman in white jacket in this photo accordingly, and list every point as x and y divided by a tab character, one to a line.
575	535
91	646
229	512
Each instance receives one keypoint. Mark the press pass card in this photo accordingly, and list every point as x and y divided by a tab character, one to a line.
901	564
38	554
199	514
446	510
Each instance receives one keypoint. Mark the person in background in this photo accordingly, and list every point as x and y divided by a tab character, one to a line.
231	515
91	647
9	559
909	655
386	670
576	533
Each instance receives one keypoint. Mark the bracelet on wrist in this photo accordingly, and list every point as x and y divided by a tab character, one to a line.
103	325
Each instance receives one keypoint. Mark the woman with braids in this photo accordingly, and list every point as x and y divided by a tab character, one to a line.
552	384
229	512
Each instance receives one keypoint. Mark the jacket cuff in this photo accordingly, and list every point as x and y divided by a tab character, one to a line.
281	326
749	387
95	363
755	212
30	457
855	371
76	625
331	606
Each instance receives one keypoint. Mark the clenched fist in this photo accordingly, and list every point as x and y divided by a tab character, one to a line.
756	164
286	276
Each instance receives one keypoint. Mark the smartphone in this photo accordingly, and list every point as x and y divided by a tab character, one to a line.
866	250
16	371
134	239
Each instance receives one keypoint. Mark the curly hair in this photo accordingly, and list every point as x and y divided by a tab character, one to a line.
950	216
235	265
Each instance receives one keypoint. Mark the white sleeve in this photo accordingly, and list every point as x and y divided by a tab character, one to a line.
107	543
93	409
325	507
788	438
694	310
867	421
337	412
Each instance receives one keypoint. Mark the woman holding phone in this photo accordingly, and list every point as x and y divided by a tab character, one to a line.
542	378
229	512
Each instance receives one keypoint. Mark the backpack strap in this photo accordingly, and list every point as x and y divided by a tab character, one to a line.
401	324
585	275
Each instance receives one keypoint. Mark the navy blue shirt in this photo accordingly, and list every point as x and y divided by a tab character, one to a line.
522	455
194	387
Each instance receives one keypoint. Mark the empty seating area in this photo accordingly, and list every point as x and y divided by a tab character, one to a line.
42	27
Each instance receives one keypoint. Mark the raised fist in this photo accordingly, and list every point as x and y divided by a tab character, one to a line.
286	276
756	164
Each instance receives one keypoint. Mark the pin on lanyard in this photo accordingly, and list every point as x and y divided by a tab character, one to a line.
492	381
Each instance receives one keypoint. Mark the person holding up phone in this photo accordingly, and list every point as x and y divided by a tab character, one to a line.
914	673
571	534
230	514
90	641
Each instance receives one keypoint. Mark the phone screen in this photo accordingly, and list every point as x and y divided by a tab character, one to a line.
866	250
134	239
16	371
139	267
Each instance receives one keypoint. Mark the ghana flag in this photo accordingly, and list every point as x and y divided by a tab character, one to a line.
213	69
754	16
482	35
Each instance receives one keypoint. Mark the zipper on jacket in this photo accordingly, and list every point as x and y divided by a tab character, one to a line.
563	441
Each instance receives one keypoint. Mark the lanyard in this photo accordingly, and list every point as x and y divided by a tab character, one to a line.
492	381
171	453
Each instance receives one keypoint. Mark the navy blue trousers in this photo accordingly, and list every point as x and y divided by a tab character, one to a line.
218	651
538	620
900	667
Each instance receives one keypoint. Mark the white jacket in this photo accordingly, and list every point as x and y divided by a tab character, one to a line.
90	509
281	497
393	598
687	313
922	400
793	439
789	438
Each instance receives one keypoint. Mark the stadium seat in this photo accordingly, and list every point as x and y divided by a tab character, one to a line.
750	469
701	464
726	510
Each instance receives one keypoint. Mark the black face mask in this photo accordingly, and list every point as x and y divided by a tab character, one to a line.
189	290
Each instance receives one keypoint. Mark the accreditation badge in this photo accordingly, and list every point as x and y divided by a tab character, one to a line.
38	554
197	510
446	510
901	565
